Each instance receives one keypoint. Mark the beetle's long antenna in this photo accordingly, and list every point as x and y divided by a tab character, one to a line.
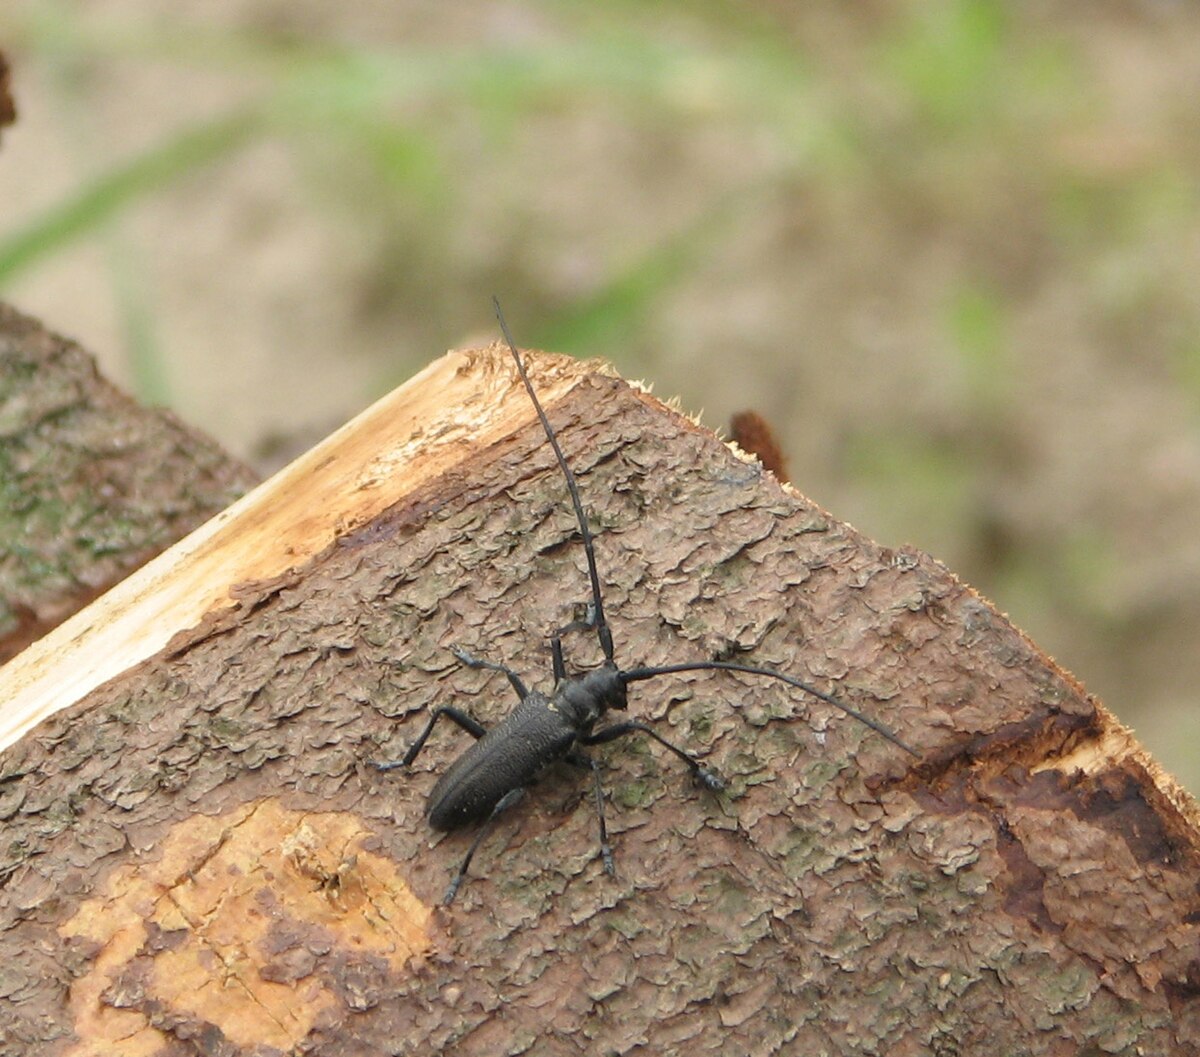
598	621
637	674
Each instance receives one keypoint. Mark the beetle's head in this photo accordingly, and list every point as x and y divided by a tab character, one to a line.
592	694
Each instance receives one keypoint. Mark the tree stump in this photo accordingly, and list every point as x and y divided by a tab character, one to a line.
200	858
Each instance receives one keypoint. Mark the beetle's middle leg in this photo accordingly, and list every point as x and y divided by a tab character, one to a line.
471	661
579	759
708	779
471	726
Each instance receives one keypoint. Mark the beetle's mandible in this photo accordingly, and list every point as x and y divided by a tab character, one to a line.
494	772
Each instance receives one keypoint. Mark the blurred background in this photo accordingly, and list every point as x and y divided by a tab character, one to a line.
950	250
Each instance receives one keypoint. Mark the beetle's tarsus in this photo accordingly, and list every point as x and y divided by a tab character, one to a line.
389	765
610	866
467	658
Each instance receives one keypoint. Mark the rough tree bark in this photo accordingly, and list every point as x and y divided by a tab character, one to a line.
198	857
91	484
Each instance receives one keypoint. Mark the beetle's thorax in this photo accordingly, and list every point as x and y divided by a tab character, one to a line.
583	699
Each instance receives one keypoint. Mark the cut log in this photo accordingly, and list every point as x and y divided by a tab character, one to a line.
8	109
92	484
200	858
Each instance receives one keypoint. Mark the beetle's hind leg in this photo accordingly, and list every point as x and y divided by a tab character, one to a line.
506	801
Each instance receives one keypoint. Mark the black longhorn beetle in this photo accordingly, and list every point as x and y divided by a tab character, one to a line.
493	774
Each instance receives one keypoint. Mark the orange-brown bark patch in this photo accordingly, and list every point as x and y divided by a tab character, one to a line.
255	922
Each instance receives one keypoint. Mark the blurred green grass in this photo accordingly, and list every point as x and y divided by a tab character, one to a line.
954	242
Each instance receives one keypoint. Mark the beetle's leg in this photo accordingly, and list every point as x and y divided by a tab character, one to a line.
506	801
707	778
581	760
588	623
556	655
471	661
471	726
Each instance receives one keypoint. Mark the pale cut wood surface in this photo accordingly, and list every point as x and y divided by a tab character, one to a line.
199	858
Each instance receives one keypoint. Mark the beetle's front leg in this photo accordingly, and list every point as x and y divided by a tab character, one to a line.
588	623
